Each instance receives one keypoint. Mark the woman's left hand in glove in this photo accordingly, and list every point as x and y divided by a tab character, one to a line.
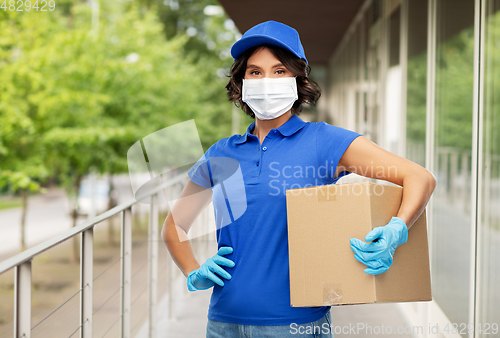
378	255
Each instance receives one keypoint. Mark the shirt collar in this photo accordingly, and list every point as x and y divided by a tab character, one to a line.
288	128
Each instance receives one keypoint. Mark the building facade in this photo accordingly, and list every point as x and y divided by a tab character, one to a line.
420	78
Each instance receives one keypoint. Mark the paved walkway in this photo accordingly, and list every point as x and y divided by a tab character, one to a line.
48	215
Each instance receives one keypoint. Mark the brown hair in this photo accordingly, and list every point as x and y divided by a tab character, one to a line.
308	90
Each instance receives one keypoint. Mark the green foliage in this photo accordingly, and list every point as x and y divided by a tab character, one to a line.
214	33
491	124
76	94
416	98
9	204
454	91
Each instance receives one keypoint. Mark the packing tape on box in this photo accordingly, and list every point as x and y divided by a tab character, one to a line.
332	293
327	193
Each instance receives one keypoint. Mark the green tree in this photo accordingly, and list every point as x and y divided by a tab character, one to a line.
454	86
77	96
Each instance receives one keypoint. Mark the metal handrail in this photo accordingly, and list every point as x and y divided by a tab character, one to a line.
28	254
23	269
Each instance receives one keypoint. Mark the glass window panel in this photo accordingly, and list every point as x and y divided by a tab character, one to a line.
489	242
394	33
393	85
374	54
451	220
366	26
416	85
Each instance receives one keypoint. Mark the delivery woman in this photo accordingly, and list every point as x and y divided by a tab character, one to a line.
250	272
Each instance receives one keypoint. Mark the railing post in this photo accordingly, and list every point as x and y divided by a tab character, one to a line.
22	301
86	280
152	265
126	266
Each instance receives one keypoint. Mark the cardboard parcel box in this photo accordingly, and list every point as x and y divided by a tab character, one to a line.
323	270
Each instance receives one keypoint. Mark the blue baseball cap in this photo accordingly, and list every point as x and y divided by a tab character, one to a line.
271	33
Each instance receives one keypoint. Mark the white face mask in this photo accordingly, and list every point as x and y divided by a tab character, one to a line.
270	98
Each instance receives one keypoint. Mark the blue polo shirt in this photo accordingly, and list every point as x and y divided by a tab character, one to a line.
249	181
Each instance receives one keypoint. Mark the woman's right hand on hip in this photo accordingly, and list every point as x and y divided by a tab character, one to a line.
205	276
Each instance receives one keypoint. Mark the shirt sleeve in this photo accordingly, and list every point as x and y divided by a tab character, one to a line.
200	172
331	143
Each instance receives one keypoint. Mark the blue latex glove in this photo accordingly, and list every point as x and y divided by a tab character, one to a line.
378	254
204	277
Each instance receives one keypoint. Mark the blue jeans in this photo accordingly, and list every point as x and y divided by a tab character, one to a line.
318	329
